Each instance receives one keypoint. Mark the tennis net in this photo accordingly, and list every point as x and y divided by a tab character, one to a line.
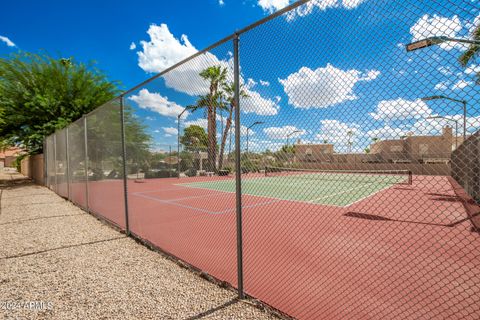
360	176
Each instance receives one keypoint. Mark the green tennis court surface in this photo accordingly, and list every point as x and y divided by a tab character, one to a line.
337	189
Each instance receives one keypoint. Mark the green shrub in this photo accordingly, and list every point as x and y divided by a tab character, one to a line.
160	174
192	172
17	163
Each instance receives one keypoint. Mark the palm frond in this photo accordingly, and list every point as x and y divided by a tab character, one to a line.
473	49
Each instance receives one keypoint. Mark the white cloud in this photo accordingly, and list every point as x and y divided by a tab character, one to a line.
221	2
371	75
170	130
150	118
7	41
156	103
430	26
133	46
323	87
432	126
271	6
343	135
472	25
447	71
164	50
264	83
351	4
461	84
201	122
243	131
473	69
282	132
323	5
387	132
255	103
442	85
401	109
250	83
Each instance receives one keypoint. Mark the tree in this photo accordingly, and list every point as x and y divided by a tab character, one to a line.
194	137
472	51
216	75
229	95
286	149
104	138
39	94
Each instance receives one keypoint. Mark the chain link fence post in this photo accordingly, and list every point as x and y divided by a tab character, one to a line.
86	161
55	160
45	164
67	167
238	173
124	160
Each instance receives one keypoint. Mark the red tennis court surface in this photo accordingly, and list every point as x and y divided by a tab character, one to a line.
404	252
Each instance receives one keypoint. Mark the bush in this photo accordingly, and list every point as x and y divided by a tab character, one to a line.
192	172
160	174
223	172
17	163
97	174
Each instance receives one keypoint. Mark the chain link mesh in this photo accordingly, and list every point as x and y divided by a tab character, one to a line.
50	159
169	155
77	173
105	163
61	170
344	237
359	159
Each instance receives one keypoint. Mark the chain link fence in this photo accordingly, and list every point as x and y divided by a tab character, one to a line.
323	160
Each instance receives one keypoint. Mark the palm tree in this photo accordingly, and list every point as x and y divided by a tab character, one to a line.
472	51
216	75
350	142
229	95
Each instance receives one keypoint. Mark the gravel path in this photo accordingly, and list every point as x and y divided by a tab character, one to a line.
58	262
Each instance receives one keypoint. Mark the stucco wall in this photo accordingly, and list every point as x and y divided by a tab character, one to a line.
32	167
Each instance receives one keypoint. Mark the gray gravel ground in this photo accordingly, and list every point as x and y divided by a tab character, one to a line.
80	268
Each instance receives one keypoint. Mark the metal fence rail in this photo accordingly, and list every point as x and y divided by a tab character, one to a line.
322	160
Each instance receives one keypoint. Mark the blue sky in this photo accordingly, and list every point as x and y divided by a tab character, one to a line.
334	70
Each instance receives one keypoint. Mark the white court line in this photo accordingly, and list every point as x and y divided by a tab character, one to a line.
268	197
301	201
178	204
205	210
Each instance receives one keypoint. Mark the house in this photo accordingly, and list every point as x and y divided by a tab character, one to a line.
8	156
314	152
419	149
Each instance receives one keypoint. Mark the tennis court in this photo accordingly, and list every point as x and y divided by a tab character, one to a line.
328	187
